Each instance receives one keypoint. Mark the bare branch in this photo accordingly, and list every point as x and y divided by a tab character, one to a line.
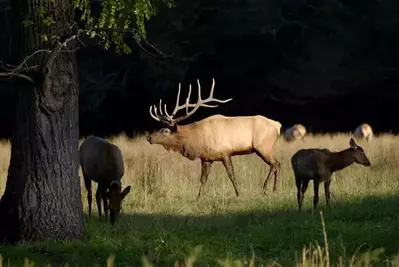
23	76
140	39
17	71
11	71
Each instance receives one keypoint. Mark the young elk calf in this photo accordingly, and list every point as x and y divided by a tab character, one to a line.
319	164
102	162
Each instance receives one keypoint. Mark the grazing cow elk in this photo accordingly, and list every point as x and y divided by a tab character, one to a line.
295	132
217	137
364	131
319	164
102	162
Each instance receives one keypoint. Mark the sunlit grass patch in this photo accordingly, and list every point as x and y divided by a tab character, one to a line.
163	221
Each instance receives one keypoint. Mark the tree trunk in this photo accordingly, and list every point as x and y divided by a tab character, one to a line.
42	199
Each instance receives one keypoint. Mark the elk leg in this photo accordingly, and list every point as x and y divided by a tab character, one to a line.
230	171
274	169
206	169
298	183
276	173
316	183
304	187
327	191
89	194
105	201
98	199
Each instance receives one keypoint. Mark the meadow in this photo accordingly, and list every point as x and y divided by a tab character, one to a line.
162	223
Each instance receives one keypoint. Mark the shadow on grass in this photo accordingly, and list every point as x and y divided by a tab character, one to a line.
276	235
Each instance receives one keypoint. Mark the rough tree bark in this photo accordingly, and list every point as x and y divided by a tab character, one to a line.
42	199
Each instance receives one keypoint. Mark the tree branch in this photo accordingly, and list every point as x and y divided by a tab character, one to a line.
23	76
17	71
62	46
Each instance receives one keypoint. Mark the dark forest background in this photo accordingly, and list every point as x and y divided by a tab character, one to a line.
327	64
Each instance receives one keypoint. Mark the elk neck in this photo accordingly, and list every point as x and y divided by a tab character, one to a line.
174	144
187	141
341	159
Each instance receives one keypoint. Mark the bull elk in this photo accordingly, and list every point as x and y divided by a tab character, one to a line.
319	164
102	162
364	131
217	137
295	132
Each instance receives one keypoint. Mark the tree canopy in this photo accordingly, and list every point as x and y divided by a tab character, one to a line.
284	53
117	18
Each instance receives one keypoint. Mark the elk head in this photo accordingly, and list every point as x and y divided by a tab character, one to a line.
359	155
168	136
115	197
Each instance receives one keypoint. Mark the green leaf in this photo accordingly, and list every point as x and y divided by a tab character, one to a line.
48	21
40	11
27	23
107	44
116	18
126	49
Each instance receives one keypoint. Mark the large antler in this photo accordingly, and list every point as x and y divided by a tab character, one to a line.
170	120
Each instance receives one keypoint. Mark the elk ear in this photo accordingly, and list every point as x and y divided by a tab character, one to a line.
125	192
352	143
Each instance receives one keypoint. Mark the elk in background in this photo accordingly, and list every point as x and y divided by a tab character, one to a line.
364	131
319	165
295	132
102	162
217	137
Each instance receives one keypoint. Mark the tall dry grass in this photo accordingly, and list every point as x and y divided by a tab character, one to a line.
160	178
167	183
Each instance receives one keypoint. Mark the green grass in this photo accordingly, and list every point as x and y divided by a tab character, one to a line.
162	220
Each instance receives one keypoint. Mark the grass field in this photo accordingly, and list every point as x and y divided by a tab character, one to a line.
162	220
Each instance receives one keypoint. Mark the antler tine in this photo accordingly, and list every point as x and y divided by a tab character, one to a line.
160	107
188	99
177	102
159	117
166	118
212	87
152	115
210	98
170	118
200	103
199	92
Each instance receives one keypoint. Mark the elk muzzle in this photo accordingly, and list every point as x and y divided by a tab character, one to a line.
113	217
